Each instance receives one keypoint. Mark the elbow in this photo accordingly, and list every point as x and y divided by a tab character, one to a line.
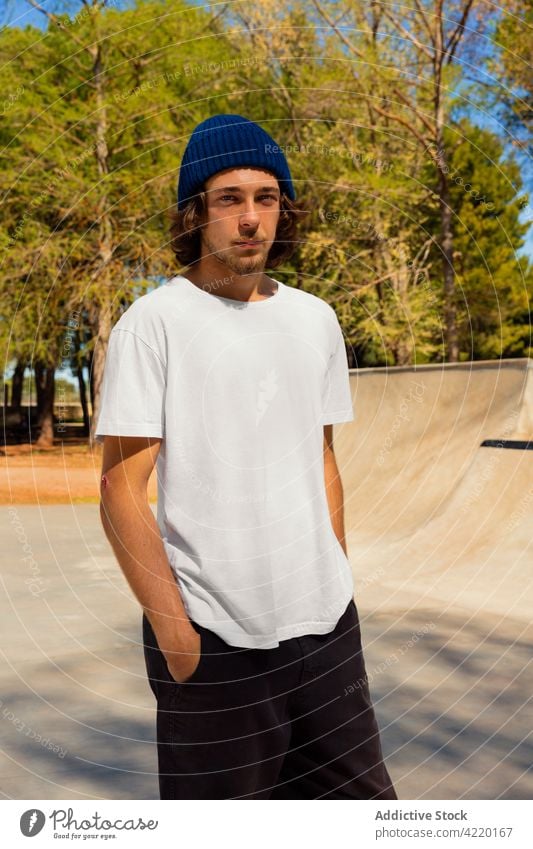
106	502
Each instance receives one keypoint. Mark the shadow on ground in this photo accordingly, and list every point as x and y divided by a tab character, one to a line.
451	689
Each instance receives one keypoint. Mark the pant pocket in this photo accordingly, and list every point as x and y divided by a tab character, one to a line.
199	673
163	685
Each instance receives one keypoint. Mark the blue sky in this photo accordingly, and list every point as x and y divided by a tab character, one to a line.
20	13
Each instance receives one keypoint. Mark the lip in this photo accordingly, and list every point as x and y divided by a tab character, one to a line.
248	244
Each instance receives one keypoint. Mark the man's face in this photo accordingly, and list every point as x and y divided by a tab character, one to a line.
242	204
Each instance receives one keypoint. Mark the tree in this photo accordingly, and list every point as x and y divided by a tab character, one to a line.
414	75
511	65
90	165
495	282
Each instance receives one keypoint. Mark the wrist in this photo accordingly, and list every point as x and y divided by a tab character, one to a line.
172	630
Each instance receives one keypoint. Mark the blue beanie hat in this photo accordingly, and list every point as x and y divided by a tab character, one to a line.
229	141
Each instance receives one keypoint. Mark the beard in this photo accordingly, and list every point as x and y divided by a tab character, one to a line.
240	265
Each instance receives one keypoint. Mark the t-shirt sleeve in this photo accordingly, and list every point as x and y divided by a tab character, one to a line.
133	389
337	399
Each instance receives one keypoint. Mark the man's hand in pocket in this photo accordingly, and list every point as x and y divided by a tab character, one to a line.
183	659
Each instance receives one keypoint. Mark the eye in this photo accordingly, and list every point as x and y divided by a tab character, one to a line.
261	197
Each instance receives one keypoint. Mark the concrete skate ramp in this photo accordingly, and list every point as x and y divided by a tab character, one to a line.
424	500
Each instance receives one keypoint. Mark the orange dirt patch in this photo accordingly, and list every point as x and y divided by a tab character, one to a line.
59	475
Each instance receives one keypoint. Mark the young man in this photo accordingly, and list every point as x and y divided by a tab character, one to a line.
231	381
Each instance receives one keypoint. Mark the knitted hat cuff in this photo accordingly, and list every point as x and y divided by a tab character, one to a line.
229	141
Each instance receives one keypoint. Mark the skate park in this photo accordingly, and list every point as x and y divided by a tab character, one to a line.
438	493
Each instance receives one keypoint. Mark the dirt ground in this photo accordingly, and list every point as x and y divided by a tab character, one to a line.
64	474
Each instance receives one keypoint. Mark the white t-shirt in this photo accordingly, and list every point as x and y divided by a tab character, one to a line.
240	392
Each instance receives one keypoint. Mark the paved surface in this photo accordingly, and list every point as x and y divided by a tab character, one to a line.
439	534
429	511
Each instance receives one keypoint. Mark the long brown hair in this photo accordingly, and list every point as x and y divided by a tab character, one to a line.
186	224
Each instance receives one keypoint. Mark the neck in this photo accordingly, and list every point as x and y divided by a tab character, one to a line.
226	283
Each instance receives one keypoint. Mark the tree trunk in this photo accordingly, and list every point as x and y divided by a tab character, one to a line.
97	366
45	387
446	232
402	354
17	385
82	388
446	245
102	324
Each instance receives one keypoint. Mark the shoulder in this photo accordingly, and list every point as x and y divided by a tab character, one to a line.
145	310
149	315
320	309
306	299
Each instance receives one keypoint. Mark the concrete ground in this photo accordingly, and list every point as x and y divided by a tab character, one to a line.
451	685
439	533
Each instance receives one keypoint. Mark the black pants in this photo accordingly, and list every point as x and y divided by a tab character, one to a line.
292	722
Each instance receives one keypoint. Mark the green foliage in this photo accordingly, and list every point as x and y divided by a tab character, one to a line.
494	282
510	65
97	112
104	108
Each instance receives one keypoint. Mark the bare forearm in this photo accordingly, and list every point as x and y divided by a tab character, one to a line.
133	533
335	496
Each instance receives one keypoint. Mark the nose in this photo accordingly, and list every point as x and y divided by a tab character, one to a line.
249	218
